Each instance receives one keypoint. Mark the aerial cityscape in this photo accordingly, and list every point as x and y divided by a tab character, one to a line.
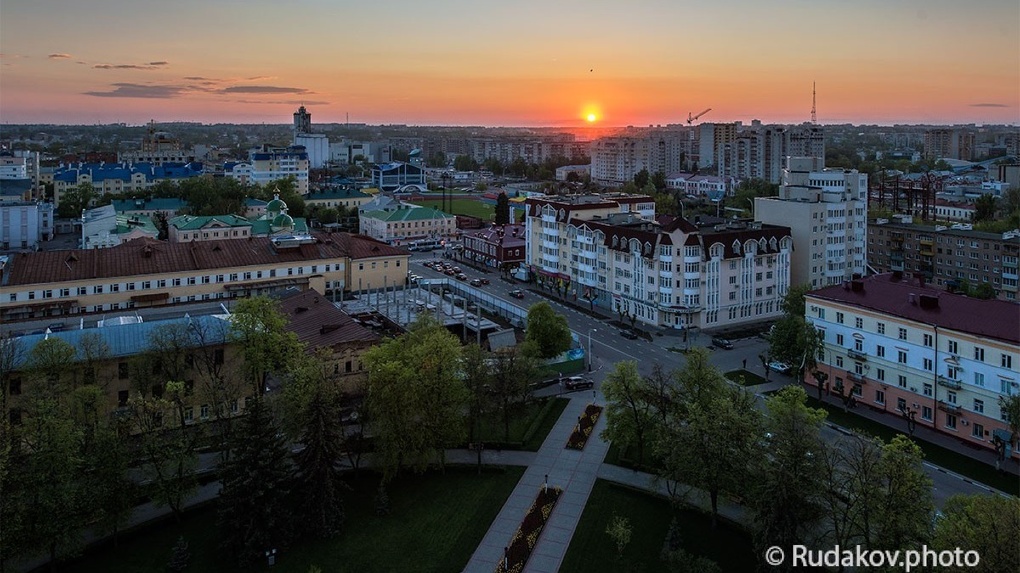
586	286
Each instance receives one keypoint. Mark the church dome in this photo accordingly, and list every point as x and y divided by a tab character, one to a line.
276	205
283	221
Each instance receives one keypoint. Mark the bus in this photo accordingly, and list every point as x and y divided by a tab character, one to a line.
424	245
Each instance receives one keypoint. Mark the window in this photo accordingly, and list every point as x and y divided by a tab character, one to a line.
858	323
953	347
122	371
979	354
858	345
928	364
927	340
1006	361
926	413
218	356
979	379
881	328
122	398
204	412
927	390
979	406
880	374
839	317
839	339
901	404
839	361
901	356
951	421
879	397
951	397
978	431
880	351
903	334
14	386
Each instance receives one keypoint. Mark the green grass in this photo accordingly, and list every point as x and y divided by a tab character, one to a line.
745	378
437	522
468	207
529	424
938	455
591	549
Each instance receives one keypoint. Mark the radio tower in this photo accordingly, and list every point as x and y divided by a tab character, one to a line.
814	116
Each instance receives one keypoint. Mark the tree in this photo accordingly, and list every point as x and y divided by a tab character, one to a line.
502	209
659	181
74	201
437	159
318	481
984	291
253	511
984	208
465	163
260	329
787	496
478	379
167	450
512	370
989	525
905	508
851	475
327	216
641	178
547	330
1010	408
619	530
416	397
629	415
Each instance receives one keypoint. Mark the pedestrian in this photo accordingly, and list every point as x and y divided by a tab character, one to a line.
745	364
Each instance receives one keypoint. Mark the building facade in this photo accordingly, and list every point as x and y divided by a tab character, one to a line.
24	224
926	356
147	273
346	197
615	160
120	178
946	256
826	209
158	148
269	164
498	247
407	223
392	176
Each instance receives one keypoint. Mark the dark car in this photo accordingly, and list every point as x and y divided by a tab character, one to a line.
517	293
461	277
626	333
484	281
476	282
578	383
722	343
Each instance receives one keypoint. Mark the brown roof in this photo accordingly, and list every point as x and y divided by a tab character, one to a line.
998	319
146	256
317	322
708	237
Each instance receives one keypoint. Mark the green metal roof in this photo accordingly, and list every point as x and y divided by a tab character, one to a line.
192	223
128	223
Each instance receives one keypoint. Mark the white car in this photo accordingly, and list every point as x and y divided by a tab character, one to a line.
781	367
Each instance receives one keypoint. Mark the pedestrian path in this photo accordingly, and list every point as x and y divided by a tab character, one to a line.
574	471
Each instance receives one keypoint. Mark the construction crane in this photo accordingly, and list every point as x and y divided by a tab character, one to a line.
691	118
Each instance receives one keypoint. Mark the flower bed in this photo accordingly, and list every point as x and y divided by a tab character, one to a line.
584	427
526	537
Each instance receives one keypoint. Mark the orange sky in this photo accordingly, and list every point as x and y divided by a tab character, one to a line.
534	63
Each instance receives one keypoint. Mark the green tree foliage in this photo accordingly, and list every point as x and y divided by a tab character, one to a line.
502	209
987	524
629	415
547	330
659	181
619	530
437	159
416	396
512	370
666	203
74	201
51	364
984	208
641	178
984	291
260	329
253	511
787	496
465	163
905	508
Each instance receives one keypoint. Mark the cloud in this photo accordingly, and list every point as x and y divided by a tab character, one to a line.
988	105
142	91
282	102
259	78
264	90
123	67
60	56
161	63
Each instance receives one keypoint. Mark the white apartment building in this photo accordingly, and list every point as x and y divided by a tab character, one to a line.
826	210
615	160
272	163
700	185
761	151
12	167
609	252
923	355
23	224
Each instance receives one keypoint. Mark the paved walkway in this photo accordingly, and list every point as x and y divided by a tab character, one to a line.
574	471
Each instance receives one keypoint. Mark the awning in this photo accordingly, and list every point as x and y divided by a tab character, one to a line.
151	297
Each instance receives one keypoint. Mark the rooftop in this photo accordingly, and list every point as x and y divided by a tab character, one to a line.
318	323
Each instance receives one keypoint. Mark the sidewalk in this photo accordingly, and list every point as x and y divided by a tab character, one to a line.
574	471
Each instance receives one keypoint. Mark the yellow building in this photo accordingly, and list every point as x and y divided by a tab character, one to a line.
148	273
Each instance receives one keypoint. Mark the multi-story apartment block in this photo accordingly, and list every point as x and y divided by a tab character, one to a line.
532	149
711	137
826	209
761	151
499	247
269	164
12	167
945	143
120	178
158	148
946	256
608	251
24	224
930	357
615	160
145	272
407	223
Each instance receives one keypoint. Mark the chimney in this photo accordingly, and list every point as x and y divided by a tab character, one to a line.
928	301
857	286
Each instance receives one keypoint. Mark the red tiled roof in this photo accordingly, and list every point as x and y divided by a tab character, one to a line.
318	323
146	256
998	319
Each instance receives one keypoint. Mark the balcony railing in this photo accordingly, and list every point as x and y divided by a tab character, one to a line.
950	383
947	407
855	377
857	355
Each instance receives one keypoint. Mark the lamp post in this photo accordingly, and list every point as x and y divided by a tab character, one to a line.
591	330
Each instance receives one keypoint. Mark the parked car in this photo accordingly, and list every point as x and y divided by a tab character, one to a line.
461	277
484	281
449	272
517	293
578	383
719	342
781	367
476	282
628	333
456	269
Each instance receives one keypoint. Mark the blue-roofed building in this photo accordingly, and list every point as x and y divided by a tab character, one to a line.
104	355
116	178
269	164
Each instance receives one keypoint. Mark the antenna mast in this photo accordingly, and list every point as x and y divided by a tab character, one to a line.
814	116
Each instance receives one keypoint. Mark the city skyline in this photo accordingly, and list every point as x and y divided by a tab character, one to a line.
525	64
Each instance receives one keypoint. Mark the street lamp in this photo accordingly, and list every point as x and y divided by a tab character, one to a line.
591	330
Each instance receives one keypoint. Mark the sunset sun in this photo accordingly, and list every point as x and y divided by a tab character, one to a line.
591	118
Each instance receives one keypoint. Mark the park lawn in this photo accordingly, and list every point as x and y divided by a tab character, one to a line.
529	424
938	455
745	378
436	522
469	207
591	549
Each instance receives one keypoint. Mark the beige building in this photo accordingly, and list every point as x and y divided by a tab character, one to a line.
148	273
